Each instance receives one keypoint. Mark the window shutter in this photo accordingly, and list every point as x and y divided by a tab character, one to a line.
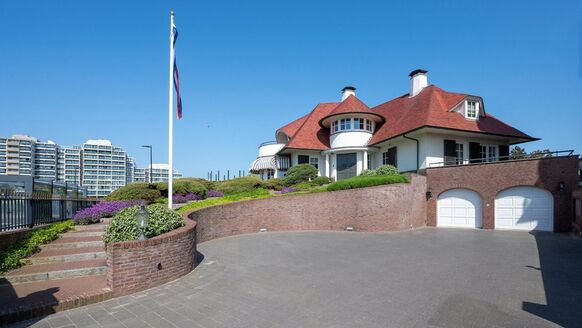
503	152
392	156
450	152
475	152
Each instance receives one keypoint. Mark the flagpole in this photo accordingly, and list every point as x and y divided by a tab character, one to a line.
171	116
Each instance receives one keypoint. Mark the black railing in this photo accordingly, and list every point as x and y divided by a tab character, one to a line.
513	157
22	210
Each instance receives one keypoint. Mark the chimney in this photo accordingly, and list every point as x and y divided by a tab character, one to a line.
418	81
348	91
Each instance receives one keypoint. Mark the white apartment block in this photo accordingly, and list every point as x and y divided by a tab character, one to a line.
160	173
97	164
103	167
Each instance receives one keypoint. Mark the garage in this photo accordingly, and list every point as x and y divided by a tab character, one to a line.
459	208
524	208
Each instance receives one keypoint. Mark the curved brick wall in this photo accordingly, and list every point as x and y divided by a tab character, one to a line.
133	265
380	208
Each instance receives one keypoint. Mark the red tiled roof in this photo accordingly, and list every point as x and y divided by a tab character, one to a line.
291	128
430	108
310	135
351	105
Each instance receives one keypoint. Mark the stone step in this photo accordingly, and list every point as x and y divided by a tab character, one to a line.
106	220
91	227
87	233
66	255
54	271
74	244
40	298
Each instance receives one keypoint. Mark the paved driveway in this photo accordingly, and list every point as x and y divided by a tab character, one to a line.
427	277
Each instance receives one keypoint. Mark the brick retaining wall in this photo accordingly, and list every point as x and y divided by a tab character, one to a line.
488	179
380	208
133	265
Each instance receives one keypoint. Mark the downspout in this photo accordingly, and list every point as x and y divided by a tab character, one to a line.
417	151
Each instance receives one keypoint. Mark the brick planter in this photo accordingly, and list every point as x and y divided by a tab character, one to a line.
381	208
141	264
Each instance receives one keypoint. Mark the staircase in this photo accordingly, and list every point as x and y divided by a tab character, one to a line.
66	273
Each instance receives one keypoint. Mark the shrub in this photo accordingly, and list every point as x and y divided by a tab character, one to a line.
386	170
215	193
189	187
366	181
178	199
238	185
319	181
381	170
100	210
272	184
12	257
124	226
299	173
138	190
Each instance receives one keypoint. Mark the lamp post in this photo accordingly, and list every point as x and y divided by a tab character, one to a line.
142	218
151	165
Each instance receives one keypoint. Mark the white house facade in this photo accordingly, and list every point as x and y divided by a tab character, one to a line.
425	127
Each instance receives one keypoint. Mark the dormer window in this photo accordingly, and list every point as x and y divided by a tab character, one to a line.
471	110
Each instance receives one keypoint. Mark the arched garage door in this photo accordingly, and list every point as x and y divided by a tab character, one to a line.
459	208
524	208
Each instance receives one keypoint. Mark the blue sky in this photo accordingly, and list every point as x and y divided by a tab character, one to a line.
78	70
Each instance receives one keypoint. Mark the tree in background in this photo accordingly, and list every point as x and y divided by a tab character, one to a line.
518	152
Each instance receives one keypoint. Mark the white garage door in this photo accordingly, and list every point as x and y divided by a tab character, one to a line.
524	208
459	208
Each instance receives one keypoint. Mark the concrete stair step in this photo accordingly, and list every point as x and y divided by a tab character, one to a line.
54	271
91	227
29	300
106	220
66	255
87	233
77	244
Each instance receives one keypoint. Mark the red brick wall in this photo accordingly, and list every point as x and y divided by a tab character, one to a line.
488	179
381	208
133	265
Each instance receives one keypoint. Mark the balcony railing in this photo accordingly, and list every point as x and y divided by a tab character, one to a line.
268	143
515	157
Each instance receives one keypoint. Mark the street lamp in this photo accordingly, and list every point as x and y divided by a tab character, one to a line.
142	218
151	165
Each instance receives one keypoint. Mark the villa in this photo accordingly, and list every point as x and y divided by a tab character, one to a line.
423	128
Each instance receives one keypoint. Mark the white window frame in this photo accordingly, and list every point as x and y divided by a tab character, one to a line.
314	161
460	153
476	112
491	153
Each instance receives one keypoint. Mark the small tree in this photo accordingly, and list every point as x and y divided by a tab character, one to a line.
299	173
517	153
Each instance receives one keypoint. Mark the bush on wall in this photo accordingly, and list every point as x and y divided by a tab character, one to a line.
137	190
238	185
273	184
367	181
299	173
104	209
381	170
124	225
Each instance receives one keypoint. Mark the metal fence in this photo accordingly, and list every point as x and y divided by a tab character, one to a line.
21	210
534	155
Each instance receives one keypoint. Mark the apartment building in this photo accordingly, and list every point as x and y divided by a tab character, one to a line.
16	155
103	167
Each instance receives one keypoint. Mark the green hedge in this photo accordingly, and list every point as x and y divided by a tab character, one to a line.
319	181
30	244
182	187
299	173
238	185
381	170
272	184
137	190
366	181
124	226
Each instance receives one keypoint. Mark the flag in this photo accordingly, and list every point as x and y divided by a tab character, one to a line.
177	77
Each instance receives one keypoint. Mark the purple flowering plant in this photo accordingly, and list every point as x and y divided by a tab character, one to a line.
215	193
287	190
177	199
100	210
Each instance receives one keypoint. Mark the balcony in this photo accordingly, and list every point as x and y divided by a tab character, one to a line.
486	160
270	148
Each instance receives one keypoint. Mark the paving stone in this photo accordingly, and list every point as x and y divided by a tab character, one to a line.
426	277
